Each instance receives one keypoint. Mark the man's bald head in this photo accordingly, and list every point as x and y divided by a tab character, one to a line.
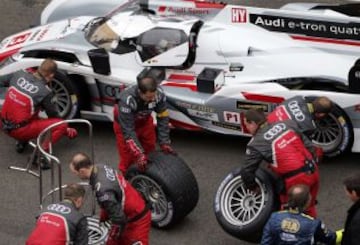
147	84
81	160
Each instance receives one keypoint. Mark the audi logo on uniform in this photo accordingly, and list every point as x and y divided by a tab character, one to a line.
295	110
25	85
275	130
59	208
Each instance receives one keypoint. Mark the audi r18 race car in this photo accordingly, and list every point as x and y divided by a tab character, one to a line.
214	60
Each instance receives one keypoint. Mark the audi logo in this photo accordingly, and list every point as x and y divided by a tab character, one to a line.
275	130
27	86
109	173
59	208
296	111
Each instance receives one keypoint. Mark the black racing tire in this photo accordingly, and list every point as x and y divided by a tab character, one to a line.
240	212
334	133
66	96
169	185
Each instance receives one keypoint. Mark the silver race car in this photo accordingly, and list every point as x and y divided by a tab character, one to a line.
214	60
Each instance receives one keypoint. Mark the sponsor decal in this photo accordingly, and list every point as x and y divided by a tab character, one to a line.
307	27
42	34
275	130
187	11
203	114
250	105
195	107
232	117
18	39
59	208
227	126
109	172
296	111
238	15
290	225
27	86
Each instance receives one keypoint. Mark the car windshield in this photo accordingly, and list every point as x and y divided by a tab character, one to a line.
100	34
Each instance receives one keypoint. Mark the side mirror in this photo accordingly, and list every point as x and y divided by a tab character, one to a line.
100	62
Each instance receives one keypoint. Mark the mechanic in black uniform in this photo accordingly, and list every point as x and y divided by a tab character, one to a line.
121	203
26	95
62	223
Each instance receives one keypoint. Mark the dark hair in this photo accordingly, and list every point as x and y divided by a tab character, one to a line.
352	183
74	191
255	115
298	197
81	160
147	84
322	105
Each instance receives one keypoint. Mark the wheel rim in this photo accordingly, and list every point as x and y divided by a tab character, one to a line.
97	233
62	98
239	205
328	134
153	194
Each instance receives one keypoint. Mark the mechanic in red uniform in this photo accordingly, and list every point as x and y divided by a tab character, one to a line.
304	111
287	151
121	203
133	124
62	223
27	94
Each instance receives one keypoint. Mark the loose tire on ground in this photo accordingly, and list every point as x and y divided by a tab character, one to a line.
169	185
240	212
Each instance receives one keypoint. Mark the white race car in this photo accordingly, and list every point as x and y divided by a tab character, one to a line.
214	60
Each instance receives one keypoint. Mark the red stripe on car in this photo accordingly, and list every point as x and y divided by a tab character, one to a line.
262	97
181	77
8	53
162	8
325	40
193	87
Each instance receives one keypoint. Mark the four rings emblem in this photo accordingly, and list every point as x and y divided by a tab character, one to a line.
296	111
27	86
275	130
59	208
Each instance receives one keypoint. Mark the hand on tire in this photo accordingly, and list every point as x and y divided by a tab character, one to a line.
142	162
167	149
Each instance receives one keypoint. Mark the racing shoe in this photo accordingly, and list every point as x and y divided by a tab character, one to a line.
20	146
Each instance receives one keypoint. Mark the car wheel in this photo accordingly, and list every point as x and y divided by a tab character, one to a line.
334	133
66	96
97	231
240	212
169	185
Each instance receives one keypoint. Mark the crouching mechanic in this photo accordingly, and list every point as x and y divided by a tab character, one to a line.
286	150
133	124
27	94
292	226
304	111
62	223
121	203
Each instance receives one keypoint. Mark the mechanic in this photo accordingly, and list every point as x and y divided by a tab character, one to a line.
62	223
133	123
27	95
351	234
286	150
292	226
121	203
304	111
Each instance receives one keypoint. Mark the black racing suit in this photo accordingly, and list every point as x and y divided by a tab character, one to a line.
60	224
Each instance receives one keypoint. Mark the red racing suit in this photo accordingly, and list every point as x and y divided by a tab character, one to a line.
24	99
123	204
60	224
133	121
287	152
